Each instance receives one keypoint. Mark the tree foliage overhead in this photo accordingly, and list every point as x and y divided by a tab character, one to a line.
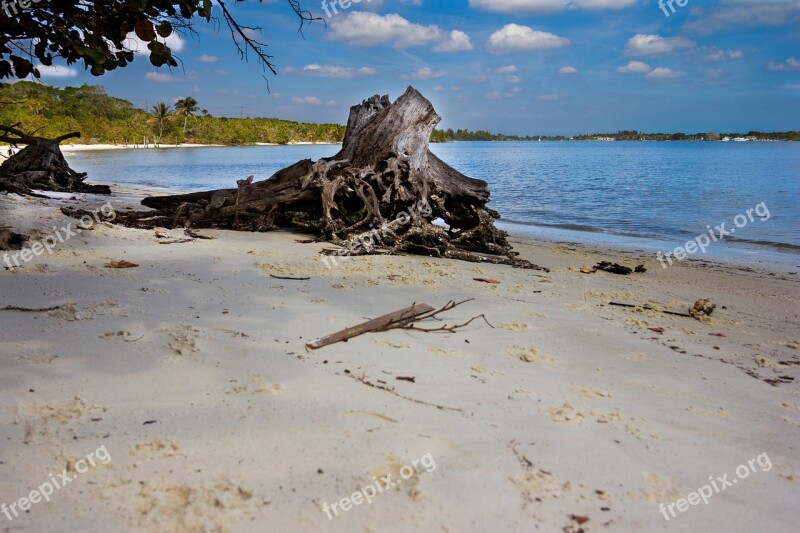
98	33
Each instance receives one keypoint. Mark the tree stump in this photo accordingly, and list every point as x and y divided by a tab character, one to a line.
385	184
41	166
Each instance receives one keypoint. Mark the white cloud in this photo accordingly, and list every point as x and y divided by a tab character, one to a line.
458	41
369	29
635	67
508	69
159	77
438	89
137	46
56	71
717	54
753	13
566	69
329	71
650	45
790	64
665	73
714	74
550	97
517	38
513	79
310	100
425	73
205	58
528	7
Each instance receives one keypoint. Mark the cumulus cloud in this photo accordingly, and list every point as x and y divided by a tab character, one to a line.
650	45
508	69
752	13
516	38
457	41
369	29
790	64
714	74
425	73
137	46
56	71
205	58
528	7
329	71
159	77
665	73
635	67
717	54
566	69
309	100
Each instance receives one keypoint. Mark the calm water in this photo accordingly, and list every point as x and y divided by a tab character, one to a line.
664	191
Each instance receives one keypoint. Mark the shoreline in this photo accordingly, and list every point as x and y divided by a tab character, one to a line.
728	252
567	406
4	150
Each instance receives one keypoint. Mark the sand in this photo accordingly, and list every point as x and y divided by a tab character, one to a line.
191	370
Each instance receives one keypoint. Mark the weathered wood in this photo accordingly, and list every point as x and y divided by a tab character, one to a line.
384	184
376	324
41	166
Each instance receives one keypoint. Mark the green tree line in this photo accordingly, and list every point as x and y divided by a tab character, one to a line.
103	119
632	135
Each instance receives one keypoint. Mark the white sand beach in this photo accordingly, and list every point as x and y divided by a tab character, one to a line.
569	414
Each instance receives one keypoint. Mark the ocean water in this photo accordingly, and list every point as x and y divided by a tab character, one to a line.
660	193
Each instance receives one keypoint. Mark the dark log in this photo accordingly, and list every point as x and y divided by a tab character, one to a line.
384	185
41	166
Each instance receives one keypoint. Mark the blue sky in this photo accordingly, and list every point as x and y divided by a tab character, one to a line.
511	66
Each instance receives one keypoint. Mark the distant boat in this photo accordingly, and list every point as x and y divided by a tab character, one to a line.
740	140
726	139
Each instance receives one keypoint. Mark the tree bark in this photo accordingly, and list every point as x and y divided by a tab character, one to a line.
385	184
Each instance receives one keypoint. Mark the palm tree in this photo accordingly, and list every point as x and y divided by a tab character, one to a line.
186	107
160	113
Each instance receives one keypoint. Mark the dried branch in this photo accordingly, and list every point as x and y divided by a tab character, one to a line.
410	323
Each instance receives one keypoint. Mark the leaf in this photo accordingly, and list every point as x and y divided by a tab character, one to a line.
144	30
487	280
120	264
164	29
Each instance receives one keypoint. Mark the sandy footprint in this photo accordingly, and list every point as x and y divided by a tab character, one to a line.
591	393
167	506
184	338
154	447
514	326
566	414
531	354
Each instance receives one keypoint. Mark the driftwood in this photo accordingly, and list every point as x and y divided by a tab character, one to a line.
381	323
402	319
40	166
380	194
